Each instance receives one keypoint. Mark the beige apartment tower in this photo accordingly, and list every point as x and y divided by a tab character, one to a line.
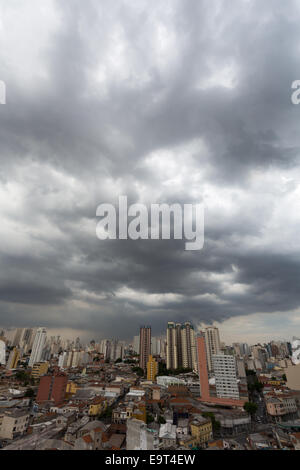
213	344
181	347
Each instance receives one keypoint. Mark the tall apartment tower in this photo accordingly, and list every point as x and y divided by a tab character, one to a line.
2	352
136	344
226	376
181	346
13	359
188	347
173	338
17	337
145	346
38	346
213	345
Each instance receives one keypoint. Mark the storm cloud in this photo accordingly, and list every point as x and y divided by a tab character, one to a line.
176	102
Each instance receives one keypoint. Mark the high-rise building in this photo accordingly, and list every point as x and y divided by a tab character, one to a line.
26	339
156	346
52	388
172	345
213	344
226	376
17	337
38	346
152	368
181	346
145	346
13	359
136	344
2	352
188	347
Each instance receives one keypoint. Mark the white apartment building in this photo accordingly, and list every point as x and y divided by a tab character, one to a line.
38	346
226	376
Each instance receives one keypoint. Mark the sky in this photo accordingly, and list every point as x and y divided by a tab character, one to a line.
164	102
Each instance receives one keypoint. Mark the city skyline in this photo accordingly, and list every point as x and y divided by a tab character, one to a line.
185	117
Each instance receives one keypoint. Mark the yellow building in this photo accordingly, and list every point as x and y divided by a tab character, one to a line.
201	430
140	413
39	369
71	389
98	405
152	368
13	359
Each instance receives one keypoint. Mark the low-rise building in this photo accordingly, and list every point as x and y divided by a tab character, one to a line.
14	424
201	430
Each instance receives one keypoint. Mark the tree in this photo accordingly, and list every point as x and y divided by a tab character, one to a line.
107	413
29	393
161	420
149	418
284	378
215	424
118	360
250	407
138	370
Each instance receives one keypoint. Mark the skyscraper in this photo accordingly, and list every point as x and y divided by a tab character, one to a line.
13	359
2	352
145	346
181	347
17	337
136	344
188	347
226	376
213	344
172	345
38	346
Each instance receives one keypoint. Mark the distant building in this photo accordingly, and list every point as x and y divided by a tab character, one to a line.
152	368
2	352
181	347
145	346
173	345
38	346
13	359
136	344
213	344
39	369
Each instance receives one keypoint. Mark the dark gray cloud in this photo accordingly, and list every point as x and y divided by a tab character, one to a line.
173	102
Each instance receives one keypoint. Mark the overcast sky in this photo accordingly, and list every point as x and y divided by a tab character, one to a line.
174	101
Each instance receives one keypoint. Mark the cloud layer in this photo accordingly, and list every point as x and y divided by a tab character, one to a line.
169	102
